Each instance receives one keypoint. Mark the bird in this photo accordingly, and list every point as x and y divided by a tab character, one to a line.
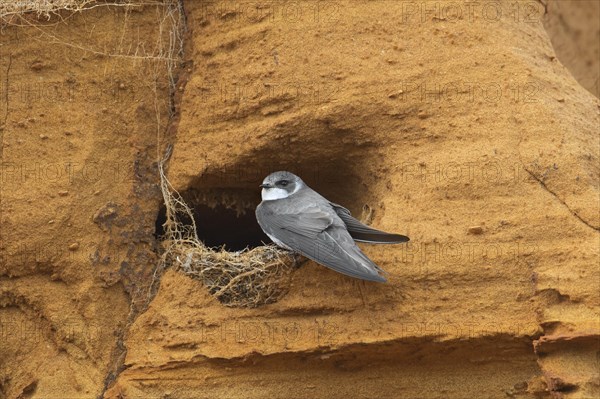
299	219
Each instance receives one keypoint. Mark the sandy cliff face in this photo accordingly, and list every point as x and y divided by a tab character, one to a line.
78	195
455	125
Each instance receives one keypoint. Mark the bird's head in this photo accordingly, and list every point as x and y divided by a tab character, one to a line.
279	185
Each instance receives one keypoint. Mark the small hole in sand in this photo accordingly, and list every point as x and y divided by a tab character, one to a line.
218	225
225	216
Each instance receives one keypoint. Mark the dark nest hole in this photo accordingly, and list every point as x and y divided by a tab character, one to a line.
225	217
227	251
221	227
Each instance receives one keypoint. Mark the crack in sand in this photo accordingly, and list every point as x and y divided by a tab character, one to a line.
545	187
2	128
6	99
118	356
539	311
539	180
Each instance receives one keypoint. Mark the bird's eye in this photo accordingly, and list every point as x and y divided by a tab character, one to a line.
283	183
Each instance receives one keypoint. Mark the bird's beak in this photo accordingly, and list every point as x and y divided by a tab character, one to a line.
265	185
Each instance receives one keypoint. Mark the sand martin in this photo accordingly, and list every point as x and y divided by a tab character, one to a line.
299	219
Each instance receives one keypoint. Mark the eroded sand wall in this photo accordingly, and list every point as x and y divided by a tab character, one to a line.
438	119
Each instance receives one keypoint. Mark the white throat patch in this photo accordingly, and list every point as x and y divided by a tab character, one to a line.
274	193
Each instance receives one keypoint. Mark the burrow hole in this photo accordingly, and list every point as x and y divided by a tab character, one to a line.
223	208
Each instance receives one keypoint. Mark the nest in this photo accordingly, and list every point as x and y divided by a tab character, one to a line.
247	278
47	8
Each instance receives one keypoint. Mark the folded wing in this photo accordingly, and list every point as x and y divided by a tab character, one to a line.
319	235
364	233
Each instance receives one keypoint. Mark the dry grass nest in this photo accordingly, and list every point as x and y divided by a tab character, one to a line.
247	278
47	8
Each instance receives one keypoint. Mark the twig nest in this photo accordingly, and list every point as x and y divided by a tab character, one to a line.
248	278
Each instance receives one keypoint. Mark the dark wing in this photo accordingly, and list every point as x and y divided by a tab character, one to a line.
319	235
364	233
